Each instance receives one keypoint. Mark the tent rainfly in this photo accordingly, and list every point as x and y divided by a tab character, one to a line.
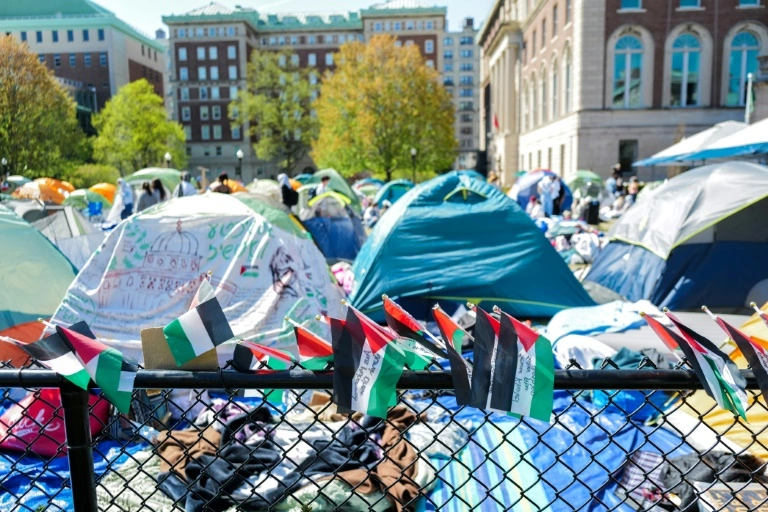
689	146
752	140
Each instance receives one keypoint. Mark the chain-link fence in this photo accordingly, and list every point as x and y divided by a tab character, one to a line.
644	439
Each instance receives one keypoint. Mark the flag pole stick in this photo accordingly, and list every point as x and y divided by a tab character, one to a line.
728	341
748	102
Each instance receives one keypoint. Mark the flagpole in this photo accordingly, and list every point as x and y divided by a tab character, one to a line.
748	102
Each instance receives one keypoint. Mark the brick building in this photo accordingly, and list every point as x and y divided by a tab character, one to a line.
584	84
90	50
210	49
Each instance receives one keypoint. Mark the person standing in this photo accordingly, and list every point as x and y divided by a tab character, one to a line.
158	190
126	195
184	188
147	197
220	185
290	196
546	194
322	188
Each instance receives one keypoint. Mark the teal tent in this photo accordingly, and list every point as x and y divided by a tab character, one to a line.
34	276
339	184
457	239
392	191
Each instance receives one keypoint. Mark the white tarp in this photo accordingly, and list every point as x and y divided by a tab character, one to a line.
689	145
151	265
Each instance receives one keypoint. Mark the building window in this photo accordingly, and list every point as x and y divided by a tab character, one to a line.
281	60
236	133
199	32
311	40
534	103
70	36
182	32
55	36
57	60
526	106
217	132
87	60
72	60
555	92
216	112
231	31
184	94
627	154
212	32
429	46
215	94
743	60
466	105
554	20
186	113
377	27
329	59
465	66
272	41
544	97
544	32
200	53
466	80
39	36
749	3
202	73
233	92
567	103
213	53
466	130
448	41
689	3
430	25
448	80
86	35
188	135
533	45
466	93
294	40
232	52
448	67
466	54
103	59
23	36
281	40
466	118
233	72
627	73
430	63
203	93
204	113
183	73
631	4
182	54
568	11
205	132
312	59
686	66
142	50
218	148
466	40
101	34
214	72
295	60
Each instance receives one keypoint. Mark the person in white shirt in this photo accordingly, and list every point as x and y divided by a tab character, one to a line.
547	196
185	188
322	188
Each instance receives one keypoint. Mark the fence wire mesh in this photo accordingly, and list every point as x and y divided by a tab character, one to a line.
188	446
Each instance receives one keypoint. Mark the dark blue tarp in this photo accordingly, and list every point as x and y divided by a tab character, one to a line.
339	237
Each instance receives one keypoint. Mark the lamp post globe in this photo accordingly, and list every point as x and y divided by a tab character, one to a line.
167	159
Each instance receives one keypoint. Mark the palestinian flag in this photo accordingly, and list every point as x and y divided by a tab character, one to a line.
762	314
667	336
107	367
417	358
718	375
252	357
204	293
488	354
55	353
367	366
756	355
197	331
402	323
461	369
314	352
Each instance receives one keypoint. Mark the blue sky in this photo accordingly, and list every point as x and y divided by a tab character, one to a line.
146	14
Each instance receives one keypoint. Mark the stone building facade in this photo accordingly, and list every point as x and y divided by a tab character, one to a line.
600	82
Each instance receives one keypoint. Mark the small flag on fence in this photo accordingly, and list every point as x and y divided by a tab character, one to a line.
756	355
367	366
489	370
461	369
197	331
720	378
249	356
314	352
204	292
401	322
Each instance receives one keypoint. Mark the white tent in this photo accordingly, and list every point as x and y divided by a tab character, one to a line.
71	232
752	140
677	152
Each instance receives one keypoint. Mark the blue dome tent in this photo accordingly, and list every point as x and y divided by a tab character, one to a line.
334	226
454	239
699	239
392	191
526	186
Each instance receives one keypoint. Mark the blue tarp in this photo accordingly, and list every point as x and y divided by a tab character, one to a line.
709	154
454	238
339	237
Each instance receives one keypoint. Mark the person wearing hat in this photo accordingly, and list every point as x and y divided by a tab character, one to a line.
184	188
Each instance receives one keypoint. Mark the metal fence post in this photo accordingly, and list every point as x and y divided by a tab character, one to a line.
79	449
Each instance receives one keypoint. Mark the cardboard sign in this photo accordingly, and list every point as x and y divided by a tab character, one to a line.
157	355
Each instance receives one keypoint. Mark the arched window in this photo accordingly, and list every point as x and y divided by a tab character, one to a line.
567	100
555	92
544	111
685	72
534	102
628	73
742	61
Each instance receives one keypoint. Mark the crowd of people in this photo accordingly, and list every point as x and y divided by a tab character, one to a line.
549	198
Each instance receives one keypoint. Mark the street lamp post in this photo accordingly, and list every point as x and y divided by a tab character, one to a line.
167	160
413	163
240	156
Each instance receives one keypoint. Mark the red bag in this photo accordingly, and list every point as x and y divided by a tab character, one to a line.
36	423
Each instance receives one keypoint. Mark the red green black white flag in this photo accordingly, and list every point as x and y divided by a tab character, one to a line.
402	323
197	331
315	353
461	369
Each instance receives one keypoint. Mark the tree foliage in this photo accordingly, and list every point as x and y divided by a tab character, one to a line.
134	131
85	176
277	103
39	133
381	101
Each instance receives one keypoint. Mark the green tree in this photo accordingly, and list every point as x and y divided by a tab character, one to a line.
39	134
381	101
134	131
277	103
87	175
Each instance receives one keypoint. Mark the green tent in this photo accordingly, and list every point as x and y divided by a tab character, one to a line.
81	197
455	239
339	184
35	275
579	180
169	177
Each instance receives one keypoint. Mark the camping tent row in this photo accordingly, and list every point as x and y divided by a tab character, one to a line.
729	139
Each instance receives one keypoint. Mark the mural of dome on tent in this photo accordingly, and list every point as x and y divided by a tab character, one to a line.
174	251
